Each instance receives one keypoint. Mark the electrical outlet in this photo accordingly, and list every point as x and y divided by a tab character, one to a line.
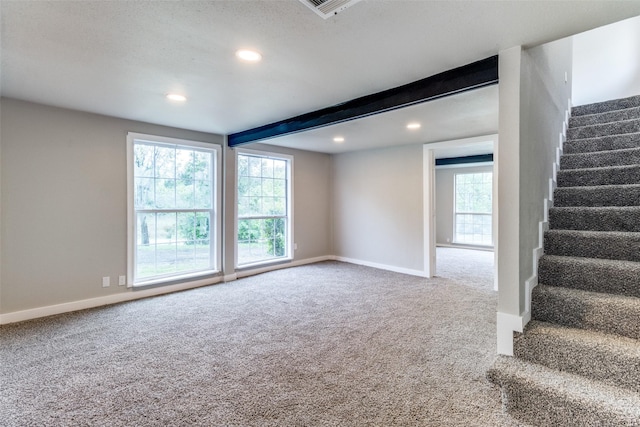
122	280
295	246
106	282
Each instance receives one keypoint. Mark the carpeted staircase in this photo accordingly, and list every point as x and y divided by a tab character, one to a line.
578	361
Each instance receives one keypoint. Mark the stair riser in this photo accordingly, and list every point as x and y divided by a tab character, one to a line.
598	314
625	248
544	408
617	128
597	197
603	107
602	118
617	142
604	219
600	159
610	278
599	176
598	363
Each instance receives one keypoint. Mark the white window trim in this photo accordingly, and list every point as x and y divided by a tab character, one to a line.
290	240
215	226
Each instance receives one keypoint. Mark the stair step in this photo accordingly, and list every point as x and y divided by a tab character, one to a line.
597	196
606	129
591	274
611	359
610	175
575	308
606	117
603	143
603	218
597	159
603	107
593	244
541	396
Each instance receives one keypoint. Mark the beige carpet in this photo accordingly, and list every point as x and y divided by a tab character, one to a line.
329	344
472	268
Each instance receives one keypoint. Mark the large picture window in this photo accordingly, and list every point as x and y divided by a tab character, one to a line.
473	203
172	217
264	207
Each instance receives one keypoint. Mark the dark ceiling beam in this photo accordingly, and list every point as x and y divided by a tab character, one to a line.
468	77
480	158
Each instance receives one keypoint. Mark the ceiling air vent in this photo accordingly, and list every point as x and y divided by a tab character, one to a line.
328	8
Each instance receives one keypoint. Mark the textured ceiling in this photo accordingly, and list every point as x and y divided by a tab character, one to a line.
120	58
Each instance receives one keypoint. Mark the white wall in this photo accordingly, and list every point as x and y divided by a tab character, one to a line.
445	182
507	168
64	194
606	62
378	207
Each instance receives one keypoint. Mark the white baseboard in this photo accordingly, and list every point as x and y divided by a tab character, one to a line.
294	263
470	247
129	295
507	325
134	294
395	269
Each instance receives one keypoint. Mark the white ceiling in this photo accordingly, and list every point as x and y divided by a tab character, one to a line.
120	58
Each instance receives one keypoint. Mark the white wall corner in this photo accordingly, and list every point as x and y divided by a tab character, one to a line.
507	325
395	269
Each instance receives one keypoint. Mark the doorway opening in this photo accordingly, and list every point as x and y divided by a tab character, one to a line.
461	208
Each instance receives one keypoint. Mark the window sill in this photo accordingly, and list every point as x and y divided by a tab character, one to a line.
174	279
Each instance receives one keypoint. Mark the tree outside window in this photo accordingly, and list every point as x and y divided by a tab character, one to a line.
263	208
173	208
473	208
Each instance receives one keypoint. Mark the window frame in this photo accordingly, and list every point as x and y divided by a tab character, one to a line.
215	224
456	213
289	210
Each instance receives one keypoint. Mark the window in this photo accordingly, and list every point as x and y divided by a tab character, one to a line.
264	207
172	215
473	200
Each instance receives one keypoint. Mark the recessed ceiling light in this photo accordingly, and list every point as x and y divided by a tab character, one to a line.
176	97
248	55
413	126
338	139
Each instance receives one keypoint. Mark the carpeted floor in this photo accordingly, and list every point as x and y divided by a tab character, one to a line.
472	268
328	344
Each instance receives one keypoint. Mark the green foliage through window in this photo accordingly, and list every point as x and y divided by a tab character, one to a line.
173	204
262	208
473	207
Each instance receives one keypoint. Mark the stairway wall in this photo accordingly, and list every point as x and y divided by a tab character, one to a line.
534	100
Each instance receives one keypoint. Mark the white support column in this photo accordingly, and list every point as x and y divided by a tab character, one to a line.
429	211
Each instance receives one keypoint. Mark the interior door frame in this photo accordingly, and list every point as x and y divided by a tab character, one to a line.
430	200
